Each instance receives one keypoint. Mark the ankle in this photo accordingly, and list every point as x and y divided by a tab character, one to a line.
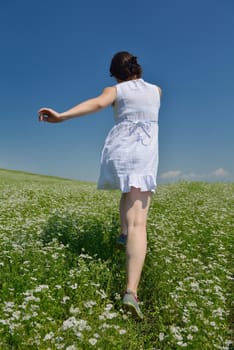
130	290
123	233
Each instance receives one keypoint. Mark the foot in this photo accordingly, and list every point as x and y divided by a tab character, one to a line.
131	303
121	241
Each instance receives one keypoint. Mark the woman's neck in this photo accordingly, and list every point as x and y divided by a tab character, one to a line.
130	78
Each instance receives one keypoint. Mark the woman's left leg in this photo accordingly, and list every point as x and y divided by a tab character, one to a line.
122	211
137	206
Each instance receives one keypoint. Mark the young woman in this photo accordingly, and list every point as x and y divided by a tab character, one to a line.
129	158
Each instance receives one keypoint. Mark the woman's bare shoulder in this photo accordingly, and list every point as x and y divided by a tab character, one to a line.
159	89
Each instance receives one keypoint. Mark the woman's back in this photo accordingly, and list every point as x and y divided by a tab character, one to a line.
137	99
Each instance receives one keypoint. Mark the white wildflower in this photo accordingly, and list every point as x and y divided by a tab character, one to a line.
8	306
92	341
176	333
55	256
105	326
161	336
193	329
111	315
74	311
58	286
31	298
122	331
71	347
95	284
90	304
33	279
78	334
85	256
108	307
218	312
117	296
82	325
65	299
48	336
71	322
195	286
16	315
183	345
101	293
40	288
6	322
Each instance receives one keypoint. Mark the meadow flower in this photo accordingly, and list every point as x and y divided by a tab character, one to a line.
90	304
108	307
95	284
41	287
161	336
183	345
85	256
58	286
8	306
33	278
193	329
213	324
4	322
71	347
104	326
176	333
74	311
78	334
16	315
107	315
48	336
101	293
31	298
71	322
65	299
117	296
74	286
218	312
195	286
92	341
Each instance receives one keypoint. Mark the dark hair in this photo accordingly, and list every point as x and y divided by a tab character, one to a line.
124	66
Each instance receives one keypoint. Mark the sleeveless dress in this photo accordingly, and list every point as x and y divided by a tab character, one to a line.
130	153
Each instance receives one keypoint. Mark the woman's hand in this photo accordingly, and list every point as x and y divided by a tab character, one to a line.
49	115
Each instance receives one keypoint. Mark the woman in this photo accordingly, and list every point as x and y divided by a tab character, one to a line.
129	159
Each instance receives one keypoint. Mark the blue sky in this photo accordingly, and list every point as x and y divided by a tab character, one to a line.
56	54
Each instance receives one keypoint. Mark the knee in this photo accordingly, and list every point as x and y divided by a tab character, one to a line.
137	222
139	200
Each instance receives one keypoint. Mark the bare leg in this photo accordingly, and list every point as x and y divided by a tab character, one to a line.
122	210
136	206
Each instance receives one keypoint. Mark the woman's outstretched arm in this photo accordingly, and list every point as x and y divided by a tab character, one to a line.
92	105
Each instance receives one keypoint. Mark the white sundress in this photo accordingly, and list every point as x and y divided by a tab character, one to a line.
130	153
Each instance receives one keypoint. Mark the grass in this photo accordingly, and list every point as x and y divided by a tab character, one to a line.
62	279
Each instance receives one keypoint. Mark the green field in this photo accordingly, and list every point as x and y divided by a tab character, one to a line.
62	279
